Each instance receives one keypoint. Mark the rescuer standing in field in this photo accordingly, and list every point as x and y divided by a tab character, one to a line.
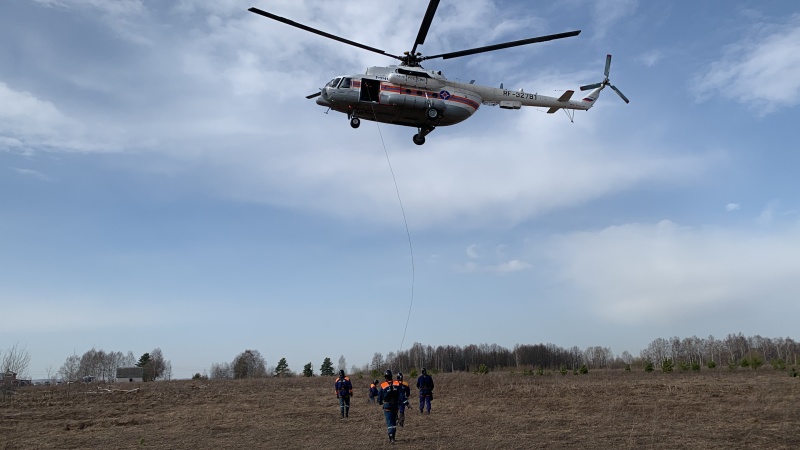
401	413
344	390
425	386
373	391
391	397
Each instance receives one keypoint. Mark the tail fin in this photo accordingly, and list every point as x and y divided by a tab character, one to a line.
563	99
590	99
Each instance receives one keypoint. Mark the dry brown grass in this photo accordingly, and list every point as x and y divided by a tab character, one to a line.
712	409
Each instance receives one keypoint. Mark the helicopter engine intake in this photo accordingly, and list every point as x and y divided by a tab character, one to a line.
417	82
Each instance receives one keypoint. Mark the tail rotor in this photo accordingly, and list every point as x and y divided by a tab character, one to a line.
606	82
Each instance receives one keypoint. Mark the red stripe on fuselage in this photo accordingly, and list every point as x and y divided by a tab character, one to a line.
428	94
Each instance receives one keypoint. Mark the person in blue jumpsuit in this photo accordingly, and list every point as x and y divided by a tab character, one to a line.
391	396
373	391
401	412
425	386
344	390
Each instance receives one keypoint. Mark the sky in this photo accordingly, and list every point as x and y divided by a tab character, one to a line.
165	184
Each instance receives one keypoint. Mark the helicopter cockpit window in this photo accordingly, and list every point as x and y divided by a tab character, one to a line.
345	83
333	83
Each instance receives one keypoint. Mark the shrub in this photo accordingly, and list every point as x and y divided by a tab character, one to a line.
744	362
711	364
731	364
684	366
583	370
539	370
778	364
667	366
197	376
527	372
696	367
648	366
563	370
756	362
482	369
794	372
627	367
413	373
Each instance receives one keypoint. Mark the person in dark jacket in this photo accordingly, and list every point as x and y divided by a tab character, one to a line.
425	386
373	391
401	413
391	396
344	390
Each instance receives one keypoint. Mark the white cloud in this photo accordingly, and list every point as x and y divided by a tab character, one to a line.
651	58
662	273
608	12
472	251
506	267
732	207
762	70
767	215
27	122
32	173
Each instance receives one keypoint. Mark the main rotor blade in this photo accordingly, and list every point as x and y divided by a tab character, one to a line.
314	95
608	64
320	32
591	86
490	48
426	24
620	93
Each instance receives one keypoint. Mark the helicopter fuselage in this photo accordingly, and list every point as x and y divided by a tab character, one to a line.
425	99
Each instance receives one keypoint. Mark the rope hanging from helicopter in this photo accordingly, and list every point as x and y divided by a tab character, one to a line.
405	222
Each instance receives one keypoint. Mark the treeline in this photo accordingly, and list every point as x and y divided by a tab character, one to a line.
733	349
99	365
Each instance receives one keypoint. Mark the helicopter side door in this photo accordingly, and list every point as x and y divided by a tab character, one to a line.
370	90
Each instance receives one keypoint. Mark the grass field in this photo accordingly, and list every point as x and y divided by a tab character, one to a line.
716	408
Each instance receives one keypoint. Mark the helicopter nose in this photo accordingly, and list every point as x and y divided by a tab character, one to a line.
322	100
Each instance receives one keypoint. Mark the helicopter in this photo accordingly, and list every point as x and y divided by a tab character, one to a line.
410	95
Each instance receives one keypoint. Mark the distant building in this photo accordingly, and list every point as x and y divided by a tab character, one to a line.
130	374
8	377
11	378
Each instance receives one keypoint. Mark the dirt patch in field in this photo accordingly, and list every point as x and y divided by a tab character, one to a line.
603	409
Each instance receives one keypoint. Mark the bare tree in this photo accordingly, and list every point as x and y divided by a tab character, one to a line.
158	363
70	370
249	364
342	363
377	362
16	360
221	371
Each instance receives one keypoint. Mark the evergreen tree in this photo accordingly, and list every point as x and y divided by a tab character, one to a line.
146	363
308	371
282	368
327	368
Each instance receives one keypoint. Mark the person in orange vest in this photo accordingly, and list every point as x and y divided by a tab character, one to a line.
373	391
391	396
344	390
401	412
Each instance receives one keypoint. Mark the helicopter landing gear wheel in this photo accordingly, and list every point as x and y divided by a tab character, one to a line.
432	113
419	138
355	122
